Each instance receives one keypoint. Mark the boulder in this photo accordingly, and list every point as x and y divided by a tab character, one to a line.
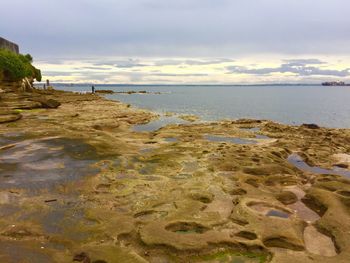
310	126
48	103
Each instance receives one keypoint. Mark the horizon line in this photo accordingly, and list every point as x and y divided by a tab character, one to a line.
183	84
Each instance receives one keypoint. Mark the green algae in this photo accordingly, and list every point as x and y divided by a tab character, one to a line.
232	257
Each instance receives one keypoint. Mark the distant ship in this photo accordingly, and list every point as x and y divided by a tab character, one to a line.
335	83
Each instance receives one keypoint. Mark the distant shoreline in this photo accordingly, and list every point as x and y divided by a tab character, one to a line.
207	85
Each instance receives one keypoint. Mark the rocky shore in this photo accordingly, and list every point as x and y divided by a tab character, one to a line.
78	184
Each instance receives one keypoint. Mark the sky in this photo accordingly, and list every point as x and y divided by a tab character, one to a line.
183	41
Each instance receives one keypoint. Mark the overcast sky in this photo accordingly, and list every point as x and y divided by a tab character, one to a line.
197	41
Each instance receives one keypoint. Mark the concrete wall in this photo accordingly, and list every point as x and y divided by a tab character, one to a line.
9	45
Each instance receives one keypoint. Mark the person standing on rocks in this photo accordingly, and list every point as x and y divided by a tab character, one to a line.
93	89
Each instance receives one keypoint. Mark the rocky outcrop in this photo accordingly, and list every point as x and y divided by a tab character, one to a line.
48	103
17	86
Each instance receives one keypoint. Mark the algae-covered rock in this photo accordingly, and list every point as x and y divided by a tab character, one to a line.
48	103
9	116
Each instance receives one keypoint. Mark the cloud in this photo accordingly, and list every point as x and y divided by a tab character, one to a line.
191	62
300	67
179	75
181	28
209	62
301	62
126	63
56	73
93	68
129	64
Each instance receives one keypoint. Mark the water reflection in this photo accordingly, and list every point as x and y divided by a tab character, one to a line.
298	162
157	124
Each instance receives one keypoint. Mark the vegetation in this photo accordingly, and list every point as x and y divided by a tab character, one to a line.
15	67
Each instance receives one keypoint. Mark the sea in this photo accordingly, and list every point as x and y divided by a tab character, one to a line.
288	104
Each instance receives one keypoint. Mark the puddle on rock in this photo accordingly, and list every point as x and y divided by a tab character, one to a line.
269	210
216	138
318	243
157	124
263	137
23	251
254	129
171	139
298	162
277	213
34	164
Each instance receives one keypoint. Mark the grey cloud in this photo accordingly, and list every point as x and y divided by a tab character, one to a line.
129	63
210	62
179	75
93	68
311	61
56	73
181	28
168	62
190	62
299	67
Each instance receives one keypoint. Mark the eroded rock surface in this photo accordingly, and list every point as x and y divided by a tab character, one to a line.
136	196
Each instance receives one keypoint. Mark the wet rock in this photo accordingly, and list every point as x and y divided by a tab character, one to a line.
190	118
315	204
282	242
101	91
20	232
49	103
287	197
342	165
24	105
186	227
9	116
238	191
202	197
82	257
246	121
310	126
247	235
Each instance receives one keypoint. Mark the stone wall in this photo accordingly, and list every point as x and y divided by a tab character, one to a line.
9	45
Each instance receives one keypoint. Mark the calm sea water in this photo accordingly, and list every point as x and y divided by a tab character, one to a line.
326	106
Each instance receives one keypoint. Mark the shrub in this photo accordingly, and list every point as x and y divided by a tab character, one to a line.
16	66
11	65
37	75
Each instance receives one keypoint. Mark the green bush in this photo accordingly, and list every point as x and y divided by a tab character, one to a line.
16	66
37	75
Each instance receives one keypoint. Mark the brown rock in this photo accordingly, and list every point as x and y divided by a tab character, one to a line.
310	126
287	197
82	257
49	103
9	116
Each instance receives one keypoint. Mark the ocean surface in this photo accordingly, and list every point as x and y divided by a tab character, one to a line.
325	106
